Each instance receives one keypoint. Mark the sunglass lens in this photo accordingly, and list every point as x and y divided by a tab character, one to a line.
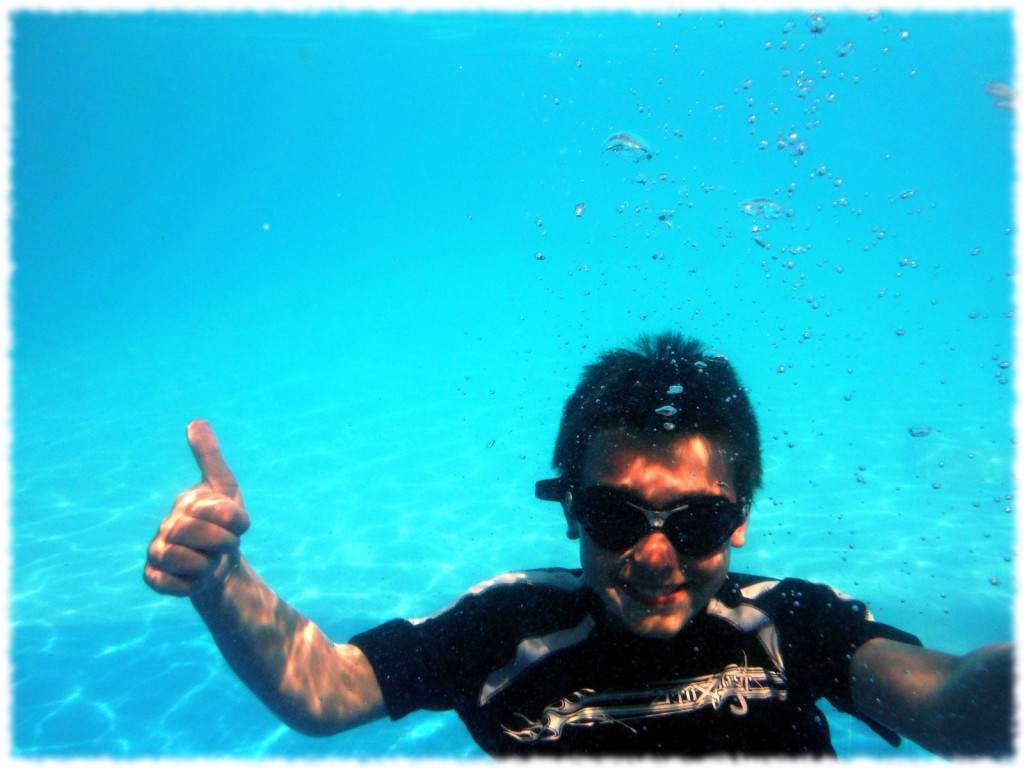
703	527
609	519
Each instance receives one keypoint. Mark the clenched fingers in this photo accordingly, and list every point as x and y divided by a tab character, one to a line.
175	570
215	508
167	583
201	535
197	543
179	560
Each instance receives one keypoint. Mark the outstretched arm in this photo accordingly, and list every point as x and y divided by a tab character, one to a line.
313	685
955	706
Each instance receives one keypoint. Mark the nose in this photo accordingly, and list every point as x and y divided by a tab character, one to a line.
655	552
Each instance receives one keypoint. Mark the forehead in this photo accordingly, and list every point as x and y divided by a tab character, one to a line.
656	465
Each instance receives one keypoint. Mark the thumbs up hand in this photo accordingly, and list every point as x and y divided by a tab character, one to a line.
197	544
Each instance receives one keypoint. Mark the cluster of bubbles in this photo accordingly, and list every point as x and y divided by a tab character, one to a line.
666	412
634	149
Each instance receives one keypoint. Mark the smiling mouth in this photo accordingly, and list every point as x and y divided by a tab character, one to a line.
655	597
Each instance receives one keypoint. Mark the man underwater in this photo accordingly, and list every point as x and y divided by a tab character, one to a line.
652	647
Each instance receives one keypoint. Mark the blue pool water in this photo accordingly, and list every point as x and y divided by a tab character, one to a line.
324	232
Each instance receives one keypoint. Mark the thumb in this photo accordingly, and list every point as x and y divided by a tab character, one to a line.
206	450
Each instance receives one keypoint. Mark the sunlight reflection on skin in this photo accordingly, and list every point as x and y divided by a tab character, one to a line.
665	470
315	686
650	589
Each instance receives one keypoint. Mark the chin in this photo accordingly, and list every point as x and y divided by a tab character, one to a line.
660	628
660	632
656	625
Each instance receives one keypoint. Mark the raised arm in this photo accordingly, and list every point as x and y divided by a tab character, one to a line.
954	706
313	685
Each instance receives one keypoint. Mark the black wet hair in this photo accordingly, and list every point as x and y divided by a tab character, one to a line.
667	384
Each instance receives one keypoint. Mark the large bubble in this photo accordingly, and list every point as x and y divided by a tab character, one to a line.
761	208
627	145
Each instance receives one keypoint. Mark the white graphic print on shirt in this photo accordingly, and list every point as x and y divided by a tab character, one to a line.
734	685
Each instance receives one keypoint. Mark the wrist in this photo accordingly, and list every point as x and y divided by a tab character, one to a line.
211	590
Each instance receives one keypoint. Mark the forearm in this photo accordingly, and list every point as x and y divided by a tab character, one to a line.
955	706
313	685
973	711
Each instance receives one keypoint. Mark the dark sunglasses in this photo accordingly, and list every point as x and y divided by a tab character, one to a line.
615	520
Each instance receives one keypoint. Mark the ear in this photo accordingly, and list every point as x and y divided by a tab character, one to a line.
573	532
739	536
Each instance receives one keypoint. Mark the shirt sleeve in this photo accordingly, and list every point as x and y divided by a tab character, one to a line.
821	629
441	662
406	668
438	663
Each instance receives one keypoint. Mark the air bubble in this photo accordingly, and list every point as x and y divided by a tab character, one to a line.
919	430
844	49
761	208
677	389
579	209
628	146
816	24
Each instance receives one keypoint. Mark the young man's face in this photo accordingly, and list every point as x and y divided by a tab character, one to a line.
650	587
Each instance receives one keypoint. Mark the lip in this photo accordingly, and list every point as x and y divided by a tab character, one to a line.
654	597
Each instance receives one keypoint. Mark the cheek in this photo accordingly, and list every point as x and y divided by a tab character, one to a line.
710	568
591	555
598	564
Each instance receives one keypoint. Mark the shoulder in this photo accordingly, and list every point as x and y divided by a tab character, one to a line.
788	596
519	591
558	579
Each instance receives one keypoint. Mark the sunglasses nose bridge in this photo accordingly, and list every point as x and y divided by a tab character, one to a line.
655	518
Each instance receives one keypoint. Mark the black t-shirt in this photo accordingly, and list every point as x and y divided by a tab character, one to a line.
532	667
